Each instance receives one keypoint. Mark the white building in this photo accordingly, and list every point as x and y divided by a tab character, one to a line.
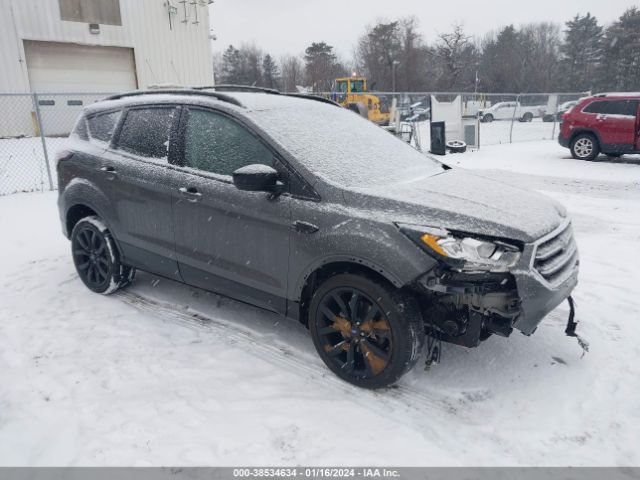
103	45
84	46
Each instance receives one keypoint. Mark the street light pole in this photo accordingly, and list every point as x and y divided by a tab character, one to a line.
393	74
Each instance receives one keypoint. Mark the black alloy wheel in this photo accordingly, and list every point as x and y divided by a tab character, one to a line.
91	257
96	258
366	332
355	333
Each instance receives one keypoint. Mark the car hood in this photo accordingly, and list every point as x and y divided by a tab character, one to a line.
460	200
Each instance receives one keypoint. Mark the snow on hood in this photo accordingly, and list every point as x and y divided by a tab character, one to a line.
337	145
460	200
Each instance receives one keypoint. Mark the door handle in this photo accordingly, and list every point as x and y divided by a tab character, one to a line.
110	170
305	227
191	193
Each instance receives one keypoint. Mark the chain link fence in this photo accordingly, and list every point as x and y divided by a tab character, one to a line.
34	126
499	118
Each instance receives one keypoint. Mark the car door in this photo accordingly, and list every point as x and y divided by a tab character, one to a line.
227	240
614	121
627	116
505	111
618	124
140	193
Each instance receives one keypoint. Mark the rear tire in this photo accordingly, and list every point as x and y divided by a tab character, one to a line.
528	117
366	332
96	257
584	147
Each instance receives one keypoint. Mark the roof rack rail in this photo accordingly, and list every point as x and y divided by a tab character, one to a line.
239	88
310	96
177	91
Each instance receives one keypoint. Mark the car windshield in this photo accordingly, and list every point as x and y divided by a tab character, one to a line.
341	147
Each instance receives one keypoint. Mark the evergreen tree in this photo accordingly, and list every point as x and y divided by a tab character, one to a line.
379	51
501	61
621	48
231	66
253	66
321	66
581	53
270	73
241	66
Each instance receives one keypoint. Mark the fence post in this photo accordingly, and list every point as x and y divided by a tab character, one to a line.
555	118
513	118
36	106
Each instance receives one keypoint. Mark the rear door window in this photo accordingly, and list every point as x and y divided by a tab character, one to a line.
102	125
146	132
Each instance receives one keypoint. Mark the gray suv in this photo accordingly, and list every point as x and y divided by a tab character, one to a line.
298	206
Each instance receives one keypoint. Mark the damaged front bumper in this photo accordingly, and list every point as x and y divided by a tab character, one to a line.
465	308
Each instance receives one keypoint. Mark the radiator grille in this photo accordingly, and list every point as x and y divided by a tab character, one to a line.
556	257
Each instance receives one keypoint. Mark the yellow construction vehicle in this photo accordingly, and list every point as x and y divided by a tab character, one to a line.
351	93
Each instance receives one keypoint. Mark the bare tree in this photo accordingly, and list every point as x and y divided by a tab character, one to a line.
457	57
292	74
541	44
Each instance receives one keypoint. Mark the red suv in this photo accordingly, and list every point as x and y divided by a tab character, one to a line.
607	123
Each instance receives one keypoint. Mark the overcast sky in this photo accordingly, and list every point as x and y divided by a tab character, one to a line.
289	26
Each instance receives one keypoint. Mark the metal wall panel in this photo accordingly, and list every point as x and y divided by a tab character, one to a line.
165	51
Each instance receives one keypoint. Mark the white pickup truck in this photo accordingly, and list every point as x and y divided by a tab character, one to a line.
509	110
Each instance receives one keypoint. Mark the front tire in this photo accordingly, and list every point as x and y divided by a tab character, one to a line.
366	332
96	257
584	147
488	118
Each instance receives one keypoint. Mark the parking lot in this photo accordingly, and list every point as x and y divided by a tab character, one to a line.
167	374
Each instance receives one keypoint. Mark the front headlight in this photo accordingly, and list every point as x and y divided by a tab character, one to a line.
464	253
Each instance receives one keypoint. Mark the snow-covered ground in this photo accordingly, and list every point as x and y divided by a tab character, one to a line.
165	374
22	164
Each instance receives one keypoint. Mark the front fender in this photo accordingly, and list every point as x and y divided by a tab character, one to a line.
380	247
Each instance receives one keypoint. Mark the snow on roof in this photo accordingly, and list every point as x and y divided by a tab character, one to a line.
268	101
617	94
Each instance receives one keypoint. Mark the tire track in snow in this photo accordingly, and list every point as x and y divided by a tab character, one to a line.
401	398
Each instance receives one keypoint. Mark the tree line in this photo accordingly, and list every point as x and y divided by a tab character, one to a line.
581	55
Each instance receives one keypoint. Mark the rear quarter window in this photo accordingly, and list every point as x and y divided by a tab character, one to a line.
613	107
102	125
80	130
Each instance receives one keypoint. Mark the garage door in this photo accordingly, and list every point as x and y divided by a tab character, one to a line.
67	67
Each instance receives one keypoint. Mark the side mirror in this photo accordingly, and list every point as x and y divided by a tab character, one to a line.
257	178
